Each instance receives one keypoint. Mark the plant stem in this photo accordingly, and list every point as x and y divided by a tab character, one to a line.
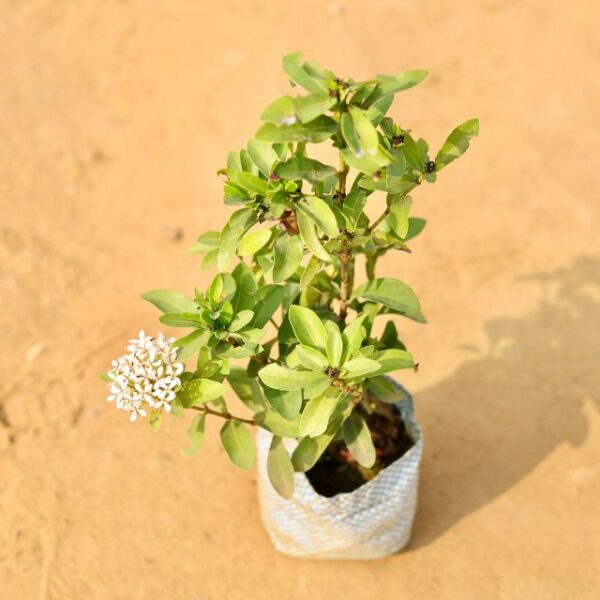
376	224
345	257
226	415
356	394
342	175
300	149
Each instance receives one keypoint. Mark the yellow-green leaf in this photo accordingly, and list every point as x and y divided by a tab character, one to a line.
280	469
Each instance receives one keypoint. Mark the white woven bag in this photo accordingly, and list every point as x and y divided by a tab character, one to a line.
373	521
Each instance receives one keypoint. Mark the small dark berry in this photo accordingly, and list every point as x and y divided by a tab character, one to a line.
332	372
398	139
430	166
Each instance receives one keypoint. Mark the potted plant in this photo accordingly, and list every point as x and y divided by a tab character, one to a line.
292	328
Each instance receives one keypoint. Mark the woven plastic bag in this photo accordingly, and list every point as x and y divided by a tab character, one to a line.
373	521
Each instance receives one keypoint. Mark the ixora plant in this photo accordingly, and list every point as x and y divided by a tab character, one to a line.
337	438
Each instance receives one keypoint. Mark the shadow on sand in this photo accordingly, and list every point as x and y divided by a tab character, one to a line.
502	413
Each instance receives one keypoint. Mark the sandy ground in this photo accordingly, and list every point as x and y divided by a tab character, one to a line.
114	117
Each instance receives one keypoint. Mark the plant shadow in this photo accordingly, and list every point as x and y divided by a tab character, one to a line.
494	420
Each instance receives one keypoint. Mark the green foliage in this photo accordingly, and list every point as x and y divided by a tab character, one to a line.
457	143
169	302
238	444
358	439
196	434
199	391
393	294
297	230
280	468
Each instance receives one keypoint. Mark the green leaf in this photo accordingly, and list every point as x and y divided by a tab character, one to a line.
281	378
399	212
316	414
317	130
392	84
233	194
354	205
239	222
359	367
223	315
384	389
275	423
170	302
199	391
210	260
245	288
308	327
317	387
413	154
457	143
206	242
268	299
280	469
288	256
358	439
292	290
349	134
281	112
300	167
310	358
247	388
247	164
319	211
335	347
310	238
312	106
392	293
240	320
376	112
263	155
366	134
253	241
155	419
415	226
215	290
292	65
238	444
309	451
367	164
286	403
389	184
182	320
191	343
196	434
393	359
353	337
233	161
253	184
312	269
389	337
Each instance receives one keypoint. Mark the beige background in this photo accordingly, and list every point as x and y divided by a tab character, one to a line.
114	117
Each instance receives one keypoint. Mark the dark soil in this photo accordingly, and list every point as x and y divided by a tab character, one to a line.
337	472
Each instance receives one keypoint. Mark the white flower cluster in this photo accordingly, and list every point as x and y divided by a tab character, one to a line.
147	377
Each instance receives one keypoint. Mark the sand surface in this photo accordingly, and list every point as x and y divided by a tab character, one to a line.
115	116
